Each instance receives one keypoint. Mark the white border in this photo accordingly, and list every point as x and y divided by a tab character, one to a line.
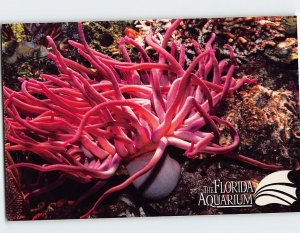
72	10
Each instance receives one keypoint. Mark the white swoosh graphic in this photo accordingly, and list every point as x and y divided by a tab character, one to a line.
276	188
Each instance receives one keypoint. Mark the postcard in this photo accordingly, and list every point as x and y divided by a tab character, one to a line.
162	117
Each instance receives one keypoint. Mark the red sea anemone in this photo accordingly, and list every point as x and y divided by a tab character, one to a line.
85	122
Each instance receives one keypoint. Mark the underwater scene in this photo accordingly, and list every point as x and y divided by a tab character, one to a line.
164	117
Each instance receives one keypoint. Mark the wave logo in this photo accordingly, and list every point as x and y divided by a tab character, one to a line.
276	188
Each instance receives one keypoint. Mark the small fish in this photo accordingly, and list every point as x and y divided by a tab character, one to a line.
131	33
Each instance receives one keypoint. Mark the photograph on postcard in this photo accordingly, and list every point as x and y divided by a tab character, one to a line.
163	117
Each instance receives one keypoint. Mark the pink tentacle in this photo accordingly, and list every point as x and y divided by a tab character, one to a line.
153	161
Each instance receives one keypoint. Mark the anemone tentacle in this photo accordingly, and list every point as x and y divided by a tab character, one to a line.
84	123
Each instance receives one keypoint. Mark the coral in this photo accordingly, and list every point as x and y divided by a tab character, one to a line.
104	36
34	32
84	123
24	45
285	52
16	208
247	35
269	120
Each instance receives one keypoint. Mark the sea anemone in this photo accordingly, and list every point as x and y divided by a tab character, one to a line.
85	122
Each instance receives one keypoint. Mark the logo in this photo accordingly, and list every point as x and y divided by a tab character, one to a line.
276	188
227	194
